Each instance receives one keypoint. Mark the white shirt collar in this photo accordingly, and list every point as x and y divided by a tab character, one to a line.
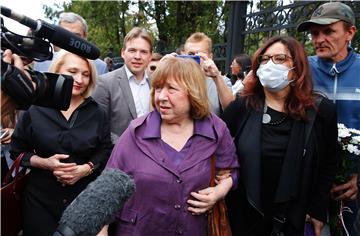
130	75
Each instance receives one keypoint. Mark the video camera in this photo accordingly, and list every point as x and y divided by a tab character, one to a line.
52	90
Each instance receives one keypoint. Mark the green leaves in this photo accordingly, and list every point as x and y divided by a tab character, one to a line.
170	22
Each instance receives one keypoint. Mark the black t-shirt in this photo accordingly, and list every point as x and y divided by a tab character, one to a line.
274	141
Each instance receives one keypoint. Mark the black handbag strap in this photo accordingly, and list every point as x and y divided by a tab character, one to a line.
15	166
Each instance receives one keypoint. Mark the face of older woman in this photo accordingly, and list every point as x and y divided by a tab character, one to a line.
79	69
172	102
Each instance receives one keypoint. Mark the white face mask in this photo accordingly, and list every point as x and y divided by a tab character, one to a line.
273	76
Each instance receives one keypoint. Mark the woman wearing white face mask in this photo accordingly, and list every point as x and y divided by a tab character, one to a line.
286	139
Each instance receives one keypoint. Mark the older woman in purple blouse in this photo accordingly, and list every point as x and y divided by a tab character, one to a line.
168	153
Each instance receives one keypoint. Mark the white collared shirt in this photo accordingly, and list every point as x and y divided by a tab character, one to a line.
140	91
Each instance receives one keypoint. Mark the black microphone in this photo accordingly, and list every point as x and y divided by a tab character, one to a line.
56	35
96	205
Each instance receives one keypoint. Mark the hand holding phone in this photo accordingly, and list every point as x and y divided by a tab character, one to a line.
194	57
4	133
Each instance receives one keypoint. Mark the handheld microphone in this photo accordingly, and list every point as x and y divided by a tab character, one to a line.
96	205
56	35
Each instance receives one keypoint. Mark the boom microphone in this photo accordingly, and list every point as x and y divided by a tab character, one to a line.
96	205
56	35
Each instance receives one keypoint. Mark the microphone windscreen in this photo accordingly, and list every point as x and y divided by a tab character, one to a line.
67	40
97	204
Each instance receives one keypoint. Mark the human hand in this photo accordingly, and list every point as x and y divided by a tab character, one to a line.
7	138
104	231
14	59
248	77
317	224
208	65
70	175
346	191
203	200
54	162
222	175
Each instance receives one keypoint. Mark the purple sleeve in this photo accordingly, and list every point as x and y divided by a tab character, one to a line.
117	159
226	157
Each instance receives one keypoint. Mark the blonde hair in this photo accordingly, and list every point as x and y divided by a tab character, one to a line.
138	32
199	37
188	74
59	61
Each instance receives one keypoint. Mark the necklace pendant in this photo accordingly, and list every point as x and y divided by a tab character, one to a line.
266	118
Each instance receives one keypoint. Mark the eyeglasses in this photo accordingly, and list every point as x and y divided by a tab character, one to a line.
152	68
277	58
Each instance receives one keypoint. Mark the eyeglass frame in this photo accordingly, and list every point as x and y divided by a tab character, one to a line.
272	58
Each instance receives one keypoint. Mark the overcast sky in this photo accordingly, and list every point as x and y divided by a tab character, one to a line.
29	8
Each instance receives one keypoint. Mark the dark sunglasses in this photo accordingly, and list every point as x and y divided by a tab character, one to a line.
152	68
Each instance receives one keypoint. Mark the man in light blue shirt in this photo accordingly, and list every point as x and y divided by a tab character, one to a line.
77	25
335	72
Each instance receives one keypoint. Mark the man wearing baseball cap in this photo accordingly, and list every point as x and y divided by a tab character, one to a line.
336	73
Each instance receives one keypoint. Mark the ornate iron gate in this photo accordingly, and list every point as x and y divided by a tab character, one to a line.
251	22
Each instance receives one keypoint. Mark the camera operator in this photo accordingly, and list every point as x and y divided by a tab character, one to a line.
8	112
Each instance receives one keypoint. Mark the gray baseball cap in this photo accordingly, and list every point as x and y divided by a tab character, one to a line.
327	14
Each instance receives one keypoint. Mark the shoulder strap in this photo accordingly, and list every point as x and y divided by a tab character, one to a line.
212	180
15	166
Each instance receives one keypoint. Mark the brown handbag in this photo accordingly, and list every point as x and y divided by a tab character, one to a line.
218	221
11	199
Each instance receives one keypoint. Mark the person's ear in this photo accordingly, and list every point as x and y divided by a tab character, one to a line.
350	33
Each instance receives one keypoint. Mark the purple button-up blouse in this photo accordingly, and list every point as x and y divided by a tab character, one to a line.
158	206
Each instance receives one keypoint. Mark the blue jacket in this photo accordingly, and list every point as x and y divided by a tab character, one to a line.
340	82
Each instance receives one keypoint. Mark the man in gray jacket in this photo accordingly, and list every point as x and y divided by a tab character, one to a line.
125	93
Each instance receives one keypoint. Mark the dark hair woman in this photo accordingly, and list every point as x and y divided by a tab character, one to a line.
287	158
240	67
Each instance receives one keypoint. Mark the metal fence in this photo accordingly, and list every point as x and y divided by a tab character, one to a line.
251	22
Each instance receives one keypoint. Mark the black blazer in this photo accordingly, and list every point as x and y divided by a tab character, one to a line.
316	164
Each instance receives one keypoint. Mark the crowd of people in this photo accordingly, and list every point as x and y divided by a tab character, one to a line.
271	127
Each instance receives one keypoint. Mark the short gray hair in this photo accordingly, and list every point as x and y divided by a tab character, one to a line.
71	17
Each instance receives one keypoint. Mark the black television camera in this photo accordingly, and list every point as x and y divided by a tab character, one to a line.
52	90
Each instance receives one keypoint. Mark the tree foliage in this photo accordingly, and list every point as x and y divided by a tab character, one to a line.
170	22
